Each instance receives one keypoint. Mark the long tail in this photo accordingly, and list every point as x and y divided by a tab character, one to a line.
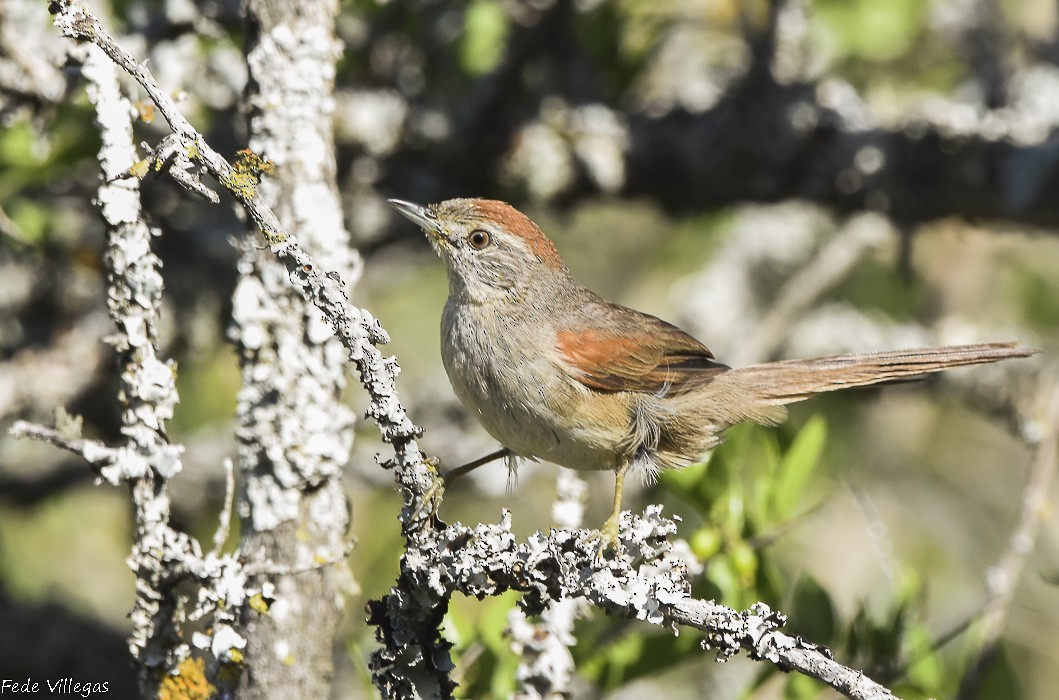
764	389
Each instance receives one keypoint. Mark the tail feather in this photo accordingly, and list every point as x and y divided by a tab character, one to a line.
765	388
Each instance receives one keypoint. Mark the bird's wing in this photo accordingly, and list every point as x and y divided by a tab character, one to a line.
624	350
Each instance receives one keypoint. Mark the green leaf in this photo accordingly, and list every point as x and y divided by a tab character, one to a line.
801	459
706	543
1001	679
812	612
744	562
927	669
637	655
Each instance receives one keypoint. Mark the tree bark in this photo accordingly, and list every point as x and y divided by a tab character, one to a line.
295	432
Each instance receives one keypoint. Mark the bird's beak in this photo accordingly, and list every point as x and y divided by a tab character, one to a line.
418	215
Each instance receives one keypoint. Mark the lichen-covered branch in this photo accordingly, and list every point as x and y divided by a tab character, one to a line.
357	329
147	389
92	451
646	582
162	557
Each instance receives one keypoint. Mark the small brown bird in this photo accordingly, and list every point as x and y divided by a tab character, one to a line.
556	373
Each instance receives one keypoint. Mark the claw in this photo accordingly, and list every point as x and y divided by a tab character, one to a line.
434	493
440	481
609	541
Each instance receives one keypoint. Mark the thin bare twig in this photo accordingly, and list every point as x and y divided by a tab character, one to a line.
826	269
220	535
1002	578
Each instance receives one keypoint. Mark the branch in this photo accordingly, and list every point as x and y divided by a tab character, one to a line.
1002	578
294	430
92	451
160	555
220	535
356	328
646	582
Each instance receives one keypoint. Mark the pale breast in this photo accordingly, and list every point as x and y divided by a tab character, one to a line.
506	374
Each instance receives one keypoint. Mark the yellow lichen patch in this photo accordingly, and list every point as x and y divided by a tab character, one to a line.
259	603
145	111
246	173
241	185
189	683
140	168
246	161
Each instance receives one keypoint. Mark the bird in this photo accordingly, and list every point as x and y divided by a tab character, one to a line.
555	372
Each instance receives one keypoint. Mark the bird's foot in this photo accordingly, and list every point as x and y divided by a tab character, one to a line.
609	541
431	499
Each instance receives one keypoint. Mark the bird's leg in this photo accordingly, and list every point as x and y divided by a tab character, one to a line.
453	474
432	496
608	534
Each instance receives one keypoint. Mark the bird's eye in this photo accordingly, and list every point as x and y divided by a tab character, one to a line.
479	239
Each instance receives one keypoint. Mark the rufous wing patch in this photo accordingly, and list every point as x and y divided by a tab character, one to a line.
670	361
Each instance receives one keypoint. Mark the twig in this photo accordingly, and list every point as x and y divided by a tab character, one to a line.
92	451
220	535
878	535
1002	578
826	269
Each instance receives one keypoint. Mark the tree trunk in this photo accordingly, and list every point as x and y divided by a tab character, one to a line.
295	433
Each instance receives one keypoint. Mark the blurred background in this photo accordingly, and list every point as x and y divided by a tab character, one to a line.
781	179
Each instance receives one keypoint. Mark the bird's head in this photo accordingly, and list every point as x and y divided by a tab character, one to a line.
491	249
